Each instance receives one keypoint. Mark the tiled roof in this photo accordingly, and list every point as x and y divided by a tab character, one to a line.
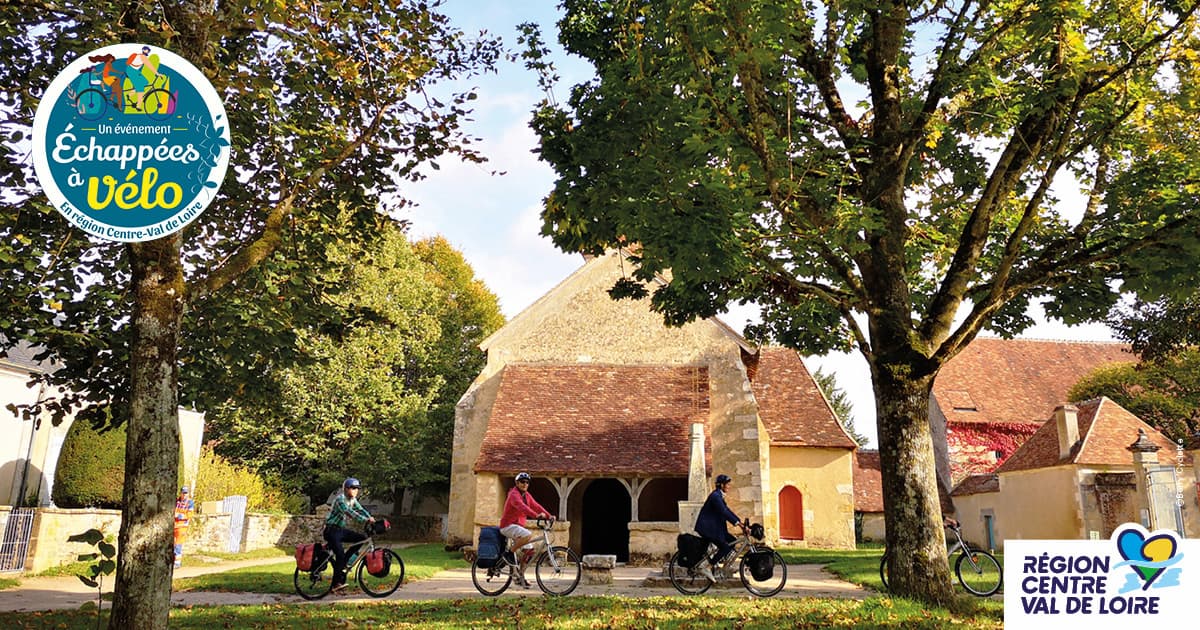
790	404
1105	430
868	484
21	356
977	484
583	419
1017	380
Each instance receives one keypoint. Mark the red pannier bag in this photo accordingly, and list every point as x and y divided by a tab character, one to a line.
378	563
305	555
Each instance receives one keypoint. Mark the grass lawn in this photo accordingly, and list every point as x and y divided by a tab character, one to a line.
861	566
8	583
420	562
547	612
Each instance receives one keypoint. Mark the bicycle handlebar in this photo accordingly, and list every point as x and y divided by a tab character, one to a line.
545	523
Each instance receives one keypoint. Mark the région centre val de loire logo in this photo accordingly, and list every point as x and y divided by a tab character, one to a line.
1135	577
131	142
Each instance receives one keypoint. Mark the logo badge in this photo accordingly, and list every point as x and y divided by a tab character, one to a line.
130	142
1150	556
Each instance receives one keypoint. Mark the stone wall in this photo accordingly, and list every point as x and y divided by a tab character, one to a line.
48	546
651	543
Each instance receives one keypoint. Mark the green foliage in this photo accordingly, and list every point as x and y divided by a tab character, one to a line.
840	402
103	562
1160	328
374	395
91	468
219	478
1165	393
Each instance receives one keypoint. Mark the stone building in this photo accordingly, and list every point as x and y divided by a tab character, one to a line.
1086	470
994	394
598	400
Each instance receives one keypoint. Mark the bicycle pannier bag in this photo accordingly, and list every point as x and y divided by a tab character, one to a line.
308	556
491	542
379	563
691	550
762	564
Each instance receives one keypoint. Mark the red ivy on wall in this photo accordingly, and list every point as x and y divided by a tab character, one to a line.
980	447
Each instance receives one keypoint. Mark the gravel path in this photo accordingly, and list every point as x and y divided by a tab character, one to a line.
35	594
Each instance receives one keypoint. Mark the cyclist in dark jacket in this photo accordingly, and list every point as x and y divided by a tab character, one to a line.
710	524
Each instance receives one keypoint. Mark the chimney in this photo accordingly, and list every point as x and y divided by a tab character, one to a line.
1066	421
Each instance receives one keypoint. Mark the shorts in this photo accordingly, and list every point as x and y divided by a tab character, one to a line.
514	531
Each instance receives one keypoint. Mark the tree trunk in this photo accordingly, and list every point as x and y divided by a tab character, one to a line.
142	597
916	543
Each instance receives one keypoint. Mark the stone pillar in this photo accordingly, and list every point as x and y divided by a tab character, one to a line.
1145	454
697	482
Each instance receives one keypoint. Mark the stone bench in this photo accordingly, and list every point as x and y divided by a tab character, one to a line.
597	568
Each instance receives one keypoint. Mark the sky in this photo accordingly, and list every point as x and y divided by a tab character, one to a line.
494	219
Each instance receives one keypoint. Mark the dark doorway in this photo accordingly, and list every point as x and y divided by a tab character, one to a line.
606	514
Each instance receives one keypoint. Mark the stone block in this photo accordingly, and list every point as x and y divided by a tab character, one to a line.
597	568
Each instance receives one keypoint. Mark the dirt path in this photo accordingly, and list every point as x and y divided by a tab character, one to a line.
805	580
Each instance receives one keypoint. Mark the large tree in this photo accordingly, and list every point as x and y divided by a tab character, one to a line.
373	396
887	176
327	108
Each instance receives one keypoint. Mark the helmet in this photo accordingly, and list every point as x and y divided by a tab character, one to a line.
351	482
183	490
522	477
723	479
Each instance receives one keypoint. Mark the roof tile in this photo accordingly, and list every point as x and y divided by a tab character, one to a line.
595	419
868	482
791	405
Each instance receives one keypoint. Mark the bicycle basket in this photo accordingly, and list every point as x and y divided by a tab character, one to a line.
379	563
762	564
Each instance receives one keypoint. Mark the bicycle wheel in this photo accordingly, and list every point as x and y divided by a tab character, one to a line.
315	583
883	572
90	104
980	573
771	584
686	580
558	571
158	104
384	585
493	581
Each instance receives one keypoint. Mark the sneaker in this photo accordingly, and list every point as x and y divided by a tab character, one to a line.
338	588
523	582
706	572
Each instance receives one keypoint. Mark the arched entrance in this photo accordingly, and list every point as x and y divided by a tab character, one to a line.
791	513
606	513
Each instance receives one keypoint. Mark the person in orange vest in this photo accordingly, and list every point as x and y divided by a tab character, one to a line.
183	515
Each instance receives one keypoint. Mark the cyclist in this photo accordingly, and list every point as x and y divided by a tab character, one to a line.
710	524
518	506
345	506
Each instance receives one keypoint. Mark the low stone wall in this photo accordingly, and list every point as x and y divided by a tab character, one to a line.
651	543
280	530
418	528
48	546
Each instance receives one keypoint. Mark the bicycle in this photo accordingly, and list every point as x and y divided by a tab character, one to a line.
91	104
316	582
982	576
749	551
557	569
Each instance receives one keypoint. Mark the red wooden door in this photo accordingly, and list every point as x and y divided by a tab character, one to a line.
791	513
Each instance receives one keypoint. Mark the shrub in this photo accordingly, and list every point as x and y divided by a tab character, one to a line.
91	468
219	478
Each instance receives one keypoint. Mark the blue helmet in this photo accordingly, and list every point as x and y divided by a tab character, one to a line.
351	482
723	479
